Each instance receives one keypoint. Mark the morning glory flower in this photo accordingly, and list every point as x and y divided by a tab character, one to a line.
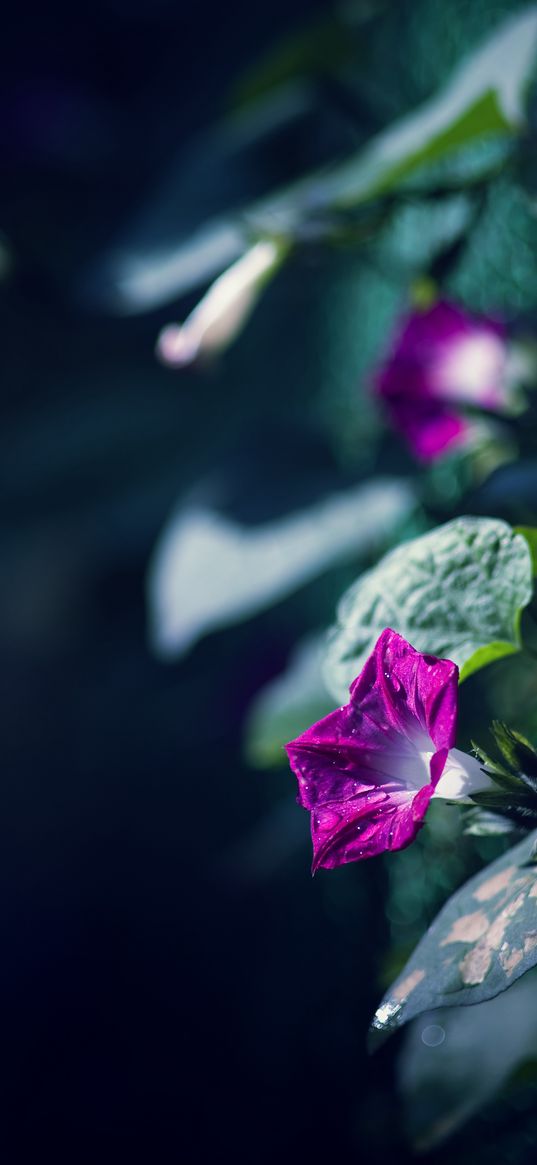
222	313
367	772
442	360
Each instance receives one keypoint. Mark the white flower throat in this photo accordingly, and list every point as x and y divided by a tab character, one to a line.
462	776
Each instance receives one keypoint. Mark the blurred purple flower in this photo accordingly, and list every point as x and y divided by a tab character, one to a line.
443	358
367	771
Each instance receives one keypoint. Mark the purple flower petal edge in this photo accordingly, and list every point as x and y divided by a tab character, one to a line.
441	359
367	771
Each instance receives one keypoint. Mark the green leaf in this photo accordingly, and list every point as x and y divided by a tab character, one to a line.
485	655
287	705
321	46
496	770
482	941
517	751
483	823
516	794
419	231
520	808
454	1061
483	102
456	592
530	534
496	273
482	98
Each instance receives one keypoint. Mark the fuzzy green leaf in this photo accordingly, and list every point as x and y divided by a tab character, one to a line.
530	534
456	592
287	705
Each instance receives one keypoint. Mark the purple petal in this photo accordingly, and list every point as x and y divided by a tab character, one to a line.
423	333
368	770
430	431
343	834
440	358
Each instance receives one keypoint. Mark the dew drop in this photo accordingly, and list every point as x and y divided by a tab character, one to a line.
433	1035
385	1015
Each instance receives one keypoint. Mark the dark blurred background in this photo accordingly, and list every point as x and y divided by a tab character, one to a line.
174	985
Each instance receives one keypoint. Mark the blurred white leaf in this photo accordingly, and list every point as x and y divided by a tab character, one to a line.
287	705
144	281
208	572
453	1061
191	230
